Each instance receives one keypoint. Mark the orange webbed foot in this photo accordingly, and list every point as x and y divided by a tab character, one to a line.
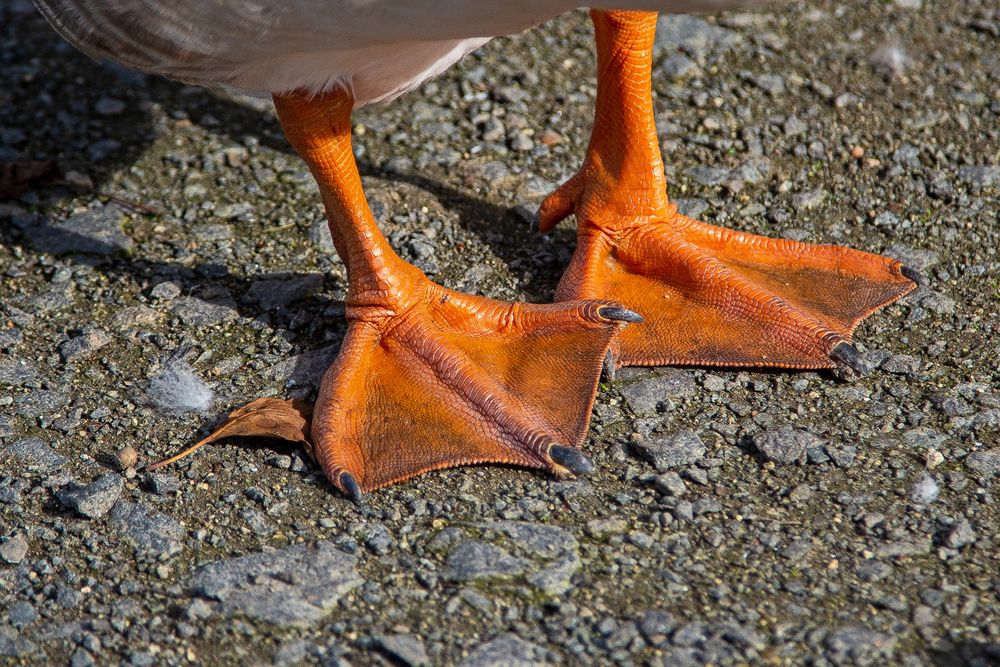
714	296
709	295
449	380
458	380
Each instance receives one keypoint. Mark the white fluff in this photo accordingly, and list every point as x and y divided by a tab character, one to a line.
890	59
176	388
925	491
378	48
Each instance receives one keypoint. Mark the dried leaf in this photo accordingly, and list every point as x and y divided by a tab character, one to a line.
263	418
16	177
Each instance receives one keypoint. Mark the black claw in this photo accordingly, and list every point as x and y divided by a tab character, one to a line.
350	486
912	274
571	459
619	314
848	355
608	367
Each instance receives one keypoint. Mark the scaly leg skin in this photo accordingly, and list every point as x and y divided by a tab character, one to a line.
709	296
427	377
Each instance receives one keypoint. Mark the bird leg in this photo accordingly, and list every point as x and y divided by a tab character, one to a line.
427	377
708	295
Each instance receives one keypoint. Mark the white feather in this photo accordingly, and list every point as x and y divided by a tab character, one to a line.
176	388
377	48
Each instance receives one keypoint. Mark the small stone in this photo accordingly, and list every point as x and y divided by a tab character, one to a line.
656	626
670	484
962	534
843	457
506	650
772	84
161	484
673	450
168	290
933	459
127	457
473	560
902	364
648	394
713	383
152	532
21	613
809	200
14	549
378	539
212	307
406	649
602	528
797	550
95	499
785	444
109	106
980	176
859	646
277	292
794	126
13	645
17	372
94	232
83	345
706	506
297	585
678	66
986	463
33	453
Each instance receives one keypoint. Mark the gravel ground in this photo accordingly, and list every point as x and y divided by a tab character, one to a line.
734	516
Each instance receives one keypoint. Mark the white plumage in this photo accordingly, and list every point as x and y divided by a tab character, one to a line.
377	48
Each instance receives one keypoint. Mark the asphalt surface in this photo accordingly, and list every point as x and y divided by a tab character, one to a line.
734	517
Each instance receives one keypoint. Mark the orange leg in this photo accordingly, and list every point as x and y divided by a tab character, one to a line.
430	378
708	295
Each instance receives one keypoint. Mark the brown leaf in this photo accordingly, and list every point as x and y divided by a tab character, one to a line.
263	418
16	177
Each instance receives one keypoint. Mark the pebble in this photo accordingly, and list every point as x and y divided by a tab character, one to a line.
274	293
407	649
17	372
109	106
980	176
21	613
672	450
809	200
670	484
856	645
211	308
648	394
93	500
33	453
151	532
785	444
126	457
472	560
14	549
84	345
13	645
94	232
162	484
506	650
168	290
296	585
985	464
693	35
962	534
